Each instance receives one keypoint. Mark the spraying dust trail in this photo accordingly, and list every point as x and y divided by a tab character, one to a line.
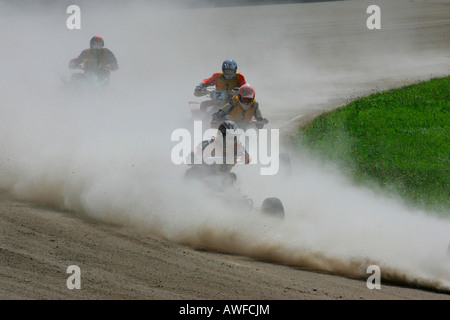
107	153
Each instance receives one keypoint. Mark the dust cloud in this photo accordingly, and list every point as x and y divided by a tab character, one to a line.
106	153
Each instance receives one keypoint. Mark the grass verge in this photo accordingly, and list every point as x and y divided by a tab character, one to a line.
399	139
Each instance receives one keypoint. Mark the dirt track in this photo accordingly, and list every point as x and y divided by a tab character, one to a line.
38	243
121	263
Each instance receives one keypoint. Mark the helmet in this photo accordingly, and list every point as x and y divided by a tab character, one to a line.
229	68
96	44
246	95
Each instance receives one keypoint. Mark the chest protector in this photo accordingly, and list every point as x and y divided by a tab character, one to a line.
224	84
92	61
238	114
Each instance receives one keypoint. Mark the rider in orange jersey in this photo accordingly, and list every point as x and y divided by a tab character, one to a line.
241	108
228	79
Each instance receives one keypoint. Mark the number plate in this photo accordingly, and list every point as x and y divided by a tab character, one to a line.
219	95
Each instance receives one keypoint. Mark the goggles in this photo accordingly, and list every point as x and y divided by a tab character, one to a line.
246	100
97	47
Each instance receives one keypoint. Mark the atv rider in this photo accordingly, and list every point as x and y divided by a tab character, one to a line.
241	108
222	159
227	80
96	59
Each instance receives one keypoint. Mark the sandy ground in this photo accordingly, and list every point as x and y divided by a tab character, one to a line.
121	261
116	262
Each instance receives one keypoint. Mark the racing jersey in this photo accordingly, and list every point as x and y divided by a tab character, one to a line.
92	62
218	80
238	114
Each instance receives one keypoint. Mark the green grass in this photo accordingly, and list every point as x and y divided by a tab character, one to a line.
399	139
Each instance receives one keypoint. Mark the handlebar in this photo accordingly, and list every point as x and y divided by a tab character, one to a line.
76	67
80	67
215	94
215	123
212	89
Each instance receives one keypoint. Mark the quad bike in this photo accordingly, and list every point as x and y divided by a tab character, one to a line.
88	78
223	185
203	110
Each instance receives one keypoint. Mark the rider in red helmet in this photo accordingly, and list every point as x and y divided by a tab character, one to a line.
242	108
96	58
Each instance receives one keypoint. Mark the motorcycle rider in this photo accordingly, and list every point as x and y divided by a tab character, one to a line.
96	59
230	157
228	79
241	108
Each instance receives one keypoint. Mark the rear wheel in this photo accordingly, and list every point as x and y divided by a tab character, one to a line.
273	207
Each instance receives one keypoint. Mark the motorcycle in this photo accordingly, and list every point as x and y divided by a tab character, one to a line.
203	110
89	78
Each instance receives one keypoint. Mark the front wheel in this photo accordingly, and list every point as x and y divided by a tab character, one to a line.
273	207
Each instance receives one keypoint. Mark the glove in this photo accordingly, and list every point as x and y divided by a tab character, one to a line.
73	64
263	120
261	123
219	115
216	118
199	91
